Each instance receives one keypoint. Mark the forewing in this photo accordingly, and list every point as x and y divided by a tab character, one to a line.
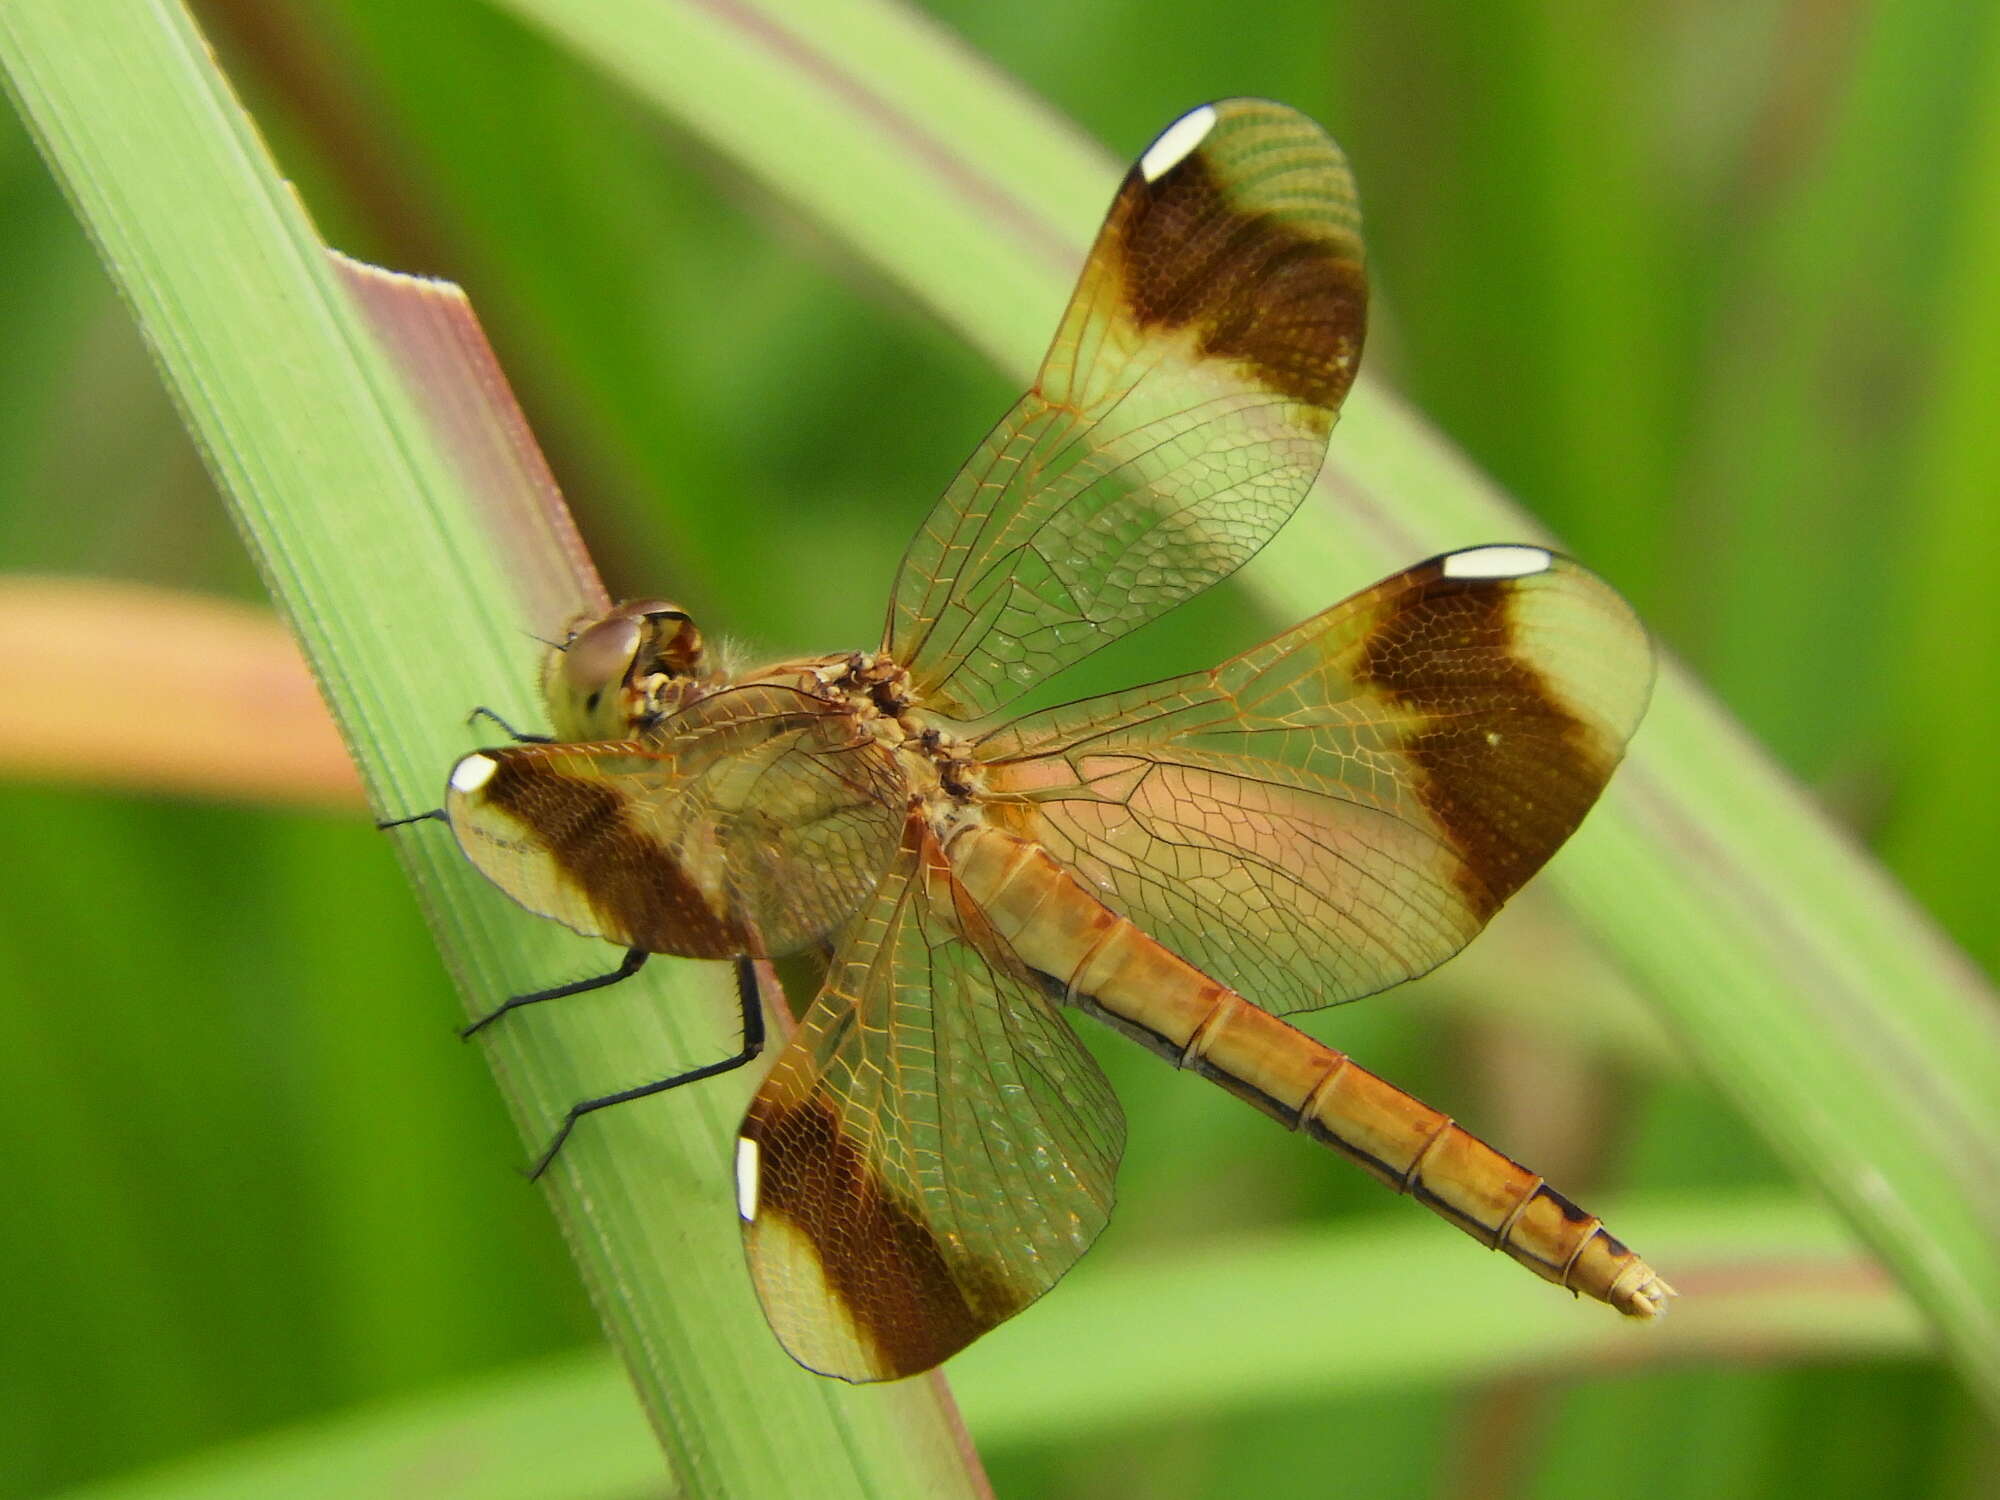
932	1150
1177	421
754	822
1344	806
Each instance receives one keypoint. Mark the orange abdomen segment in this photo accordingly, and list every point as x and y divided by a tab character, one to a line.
1101	963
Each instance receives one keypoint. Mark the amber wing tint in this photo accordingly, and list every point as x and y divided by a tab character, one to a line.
1177	420
1344	806
755	822
932	1150
1332	812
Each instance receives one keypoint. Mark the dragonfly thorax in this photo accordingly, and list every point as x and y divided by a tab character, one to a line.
624	671
936	763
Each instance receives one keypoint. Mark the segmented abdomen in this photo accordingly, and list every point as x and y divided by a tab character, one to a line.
1099	962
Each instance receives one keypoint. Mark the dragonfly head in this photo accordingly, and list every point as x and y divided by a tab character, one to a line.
621	673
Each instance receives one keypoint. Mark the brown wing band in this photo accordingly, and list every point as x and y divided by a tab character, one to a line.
1260	293
632	882
1503	766
877	1256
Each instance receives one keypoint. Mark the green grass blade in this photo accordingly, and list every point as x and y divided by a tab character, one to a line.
559	1429
387	577
1805	983
1779	1281
1768	1277
1950	819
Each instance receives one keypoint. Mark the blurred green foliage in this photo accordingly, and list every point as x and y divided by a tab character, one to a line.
1708	286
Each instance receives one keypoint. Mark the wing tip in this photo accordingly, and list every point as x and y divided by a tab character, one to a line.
1177	142
1496	561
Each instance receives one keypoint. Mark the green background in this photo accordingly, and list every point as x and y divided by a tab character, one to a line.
1708	286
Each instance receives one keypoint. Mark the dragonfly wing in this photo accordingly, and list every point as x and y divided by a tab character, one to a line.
1177	421
933	1149
756	821
1343	807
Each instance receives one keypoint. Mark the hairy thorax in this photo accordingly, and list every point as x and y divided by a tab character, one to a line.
935	761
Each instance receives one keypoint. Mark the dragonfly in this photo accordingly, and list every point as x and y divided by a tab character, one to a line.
1325	815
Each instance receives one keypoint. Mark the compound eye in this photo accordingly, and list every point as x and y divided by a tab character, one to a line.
673	645
600	656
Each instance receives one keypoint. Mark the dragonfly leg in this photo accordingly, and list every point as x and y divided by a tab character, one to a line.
435	815
747	997
634	957
483	712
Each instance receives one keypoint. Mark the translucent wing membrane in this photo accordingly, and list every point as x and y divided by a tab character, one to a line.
1330	813
1346	805
933	1149
755	821
1177	421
